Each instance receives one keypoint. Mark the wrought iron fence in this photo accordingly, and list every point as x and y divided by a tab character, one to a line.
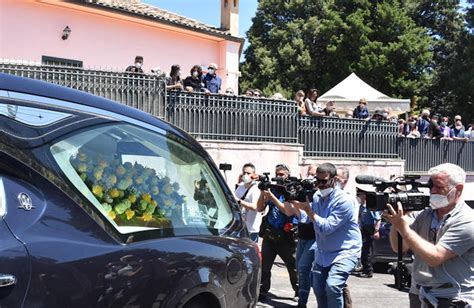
240	118
221	117
334	137
422	154
142	91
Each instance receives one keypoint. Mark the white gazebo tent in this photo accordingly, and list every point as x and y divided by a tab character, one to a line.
348	92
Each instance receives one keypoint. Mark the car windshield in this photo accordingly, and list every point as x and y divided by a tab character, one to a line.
142	180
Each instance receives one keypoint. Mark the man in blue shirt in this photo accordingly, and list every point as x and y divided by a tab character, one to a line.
338	238
424	123
211	81
279	237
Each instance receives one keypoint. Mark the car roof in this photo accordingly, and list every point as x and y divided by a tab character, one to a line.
41	88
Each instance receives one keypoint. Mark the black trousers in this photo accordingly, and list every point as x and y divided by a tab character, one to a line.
286	249
367	247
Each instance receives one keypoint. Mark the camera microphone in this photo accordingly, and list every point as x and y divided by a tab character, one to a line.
368	179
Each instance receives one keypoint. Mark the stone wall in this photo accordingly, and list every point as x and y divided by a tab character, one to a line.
266	155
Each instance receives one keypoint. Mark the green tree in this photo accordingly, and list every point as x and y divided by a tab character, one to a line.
297	44
445	92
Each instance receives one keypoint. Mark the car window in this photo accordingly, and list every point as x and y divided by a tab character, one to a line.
142	180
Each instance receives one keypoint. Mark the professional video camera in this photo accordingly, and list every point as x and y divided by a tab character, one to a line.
411	200
291	188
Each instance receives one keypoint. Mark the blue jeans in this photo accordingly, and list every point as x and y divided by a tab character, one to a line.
304	262
328	282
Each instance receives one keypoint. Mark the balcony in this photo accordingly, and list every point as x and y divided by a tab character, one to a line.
239	118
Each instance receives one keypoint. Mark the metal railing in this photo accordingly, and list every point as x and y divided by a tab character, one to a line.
334	137
422	154
240	118
141	91
220	117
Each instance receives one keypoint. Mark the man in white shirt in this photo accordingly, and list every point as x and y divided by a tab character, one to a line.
247	194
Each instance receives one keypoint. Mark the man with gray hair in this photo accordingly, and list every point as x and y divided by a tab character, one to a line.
442	239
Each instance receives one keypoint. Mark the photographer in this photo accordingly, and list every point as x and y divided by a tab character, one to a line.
247	195
442	239
279	236
338	239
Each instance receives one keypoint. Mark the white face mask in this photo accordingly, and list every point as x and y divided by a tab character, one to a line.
195	73
326	192
178	73
138	65
246	178
211	71
438	201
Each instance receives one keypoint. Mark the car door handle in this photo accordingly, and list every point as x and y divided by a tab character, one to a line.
7	280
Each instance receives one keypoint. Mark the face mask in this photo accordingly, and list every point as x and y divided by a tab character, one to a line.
195	74
439	201
246	178
310	177
339	185
326	192
385	114
211	71
444	123
178	74
138	65
458	127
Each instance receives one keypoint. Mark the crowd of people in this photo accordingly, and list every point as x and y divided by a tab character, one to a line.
435	127
321	239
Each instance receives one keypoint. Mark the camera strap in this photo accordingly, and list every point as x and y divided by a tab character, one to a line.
247	191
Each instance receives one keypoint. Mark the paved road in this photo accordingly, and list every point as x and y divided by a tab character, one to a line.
378	291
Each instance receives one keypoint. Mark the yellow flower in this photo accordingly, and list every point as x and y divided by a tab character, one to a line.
130	213
82	168
112	179
82	156
97	190
102	164
112	214
147	217
132	198
120	170
146	197
98	174
114	193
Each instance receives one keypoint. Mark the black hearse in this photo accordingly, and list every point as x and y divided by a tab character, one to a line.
103	205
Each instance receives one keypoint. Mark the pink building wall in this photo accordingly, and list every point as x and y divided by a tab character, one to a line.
103	40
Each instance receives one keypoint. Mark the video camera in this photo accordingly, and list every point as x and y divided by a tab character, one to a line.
291	188
411	200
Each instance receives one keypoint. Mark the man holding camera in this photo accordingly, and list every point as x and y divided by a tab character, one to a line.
338	238
442	239
279	236
247	195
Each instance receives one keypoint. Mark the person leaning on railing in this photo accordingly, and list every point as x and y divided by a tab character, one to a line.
299	99
193	83
361	111
173	81
312	107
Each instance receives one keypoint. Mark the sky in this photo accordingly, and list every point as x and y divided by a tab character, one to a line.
209	11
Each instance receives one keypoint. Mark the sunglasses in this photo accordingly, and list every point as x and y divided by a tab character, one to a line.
323	182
